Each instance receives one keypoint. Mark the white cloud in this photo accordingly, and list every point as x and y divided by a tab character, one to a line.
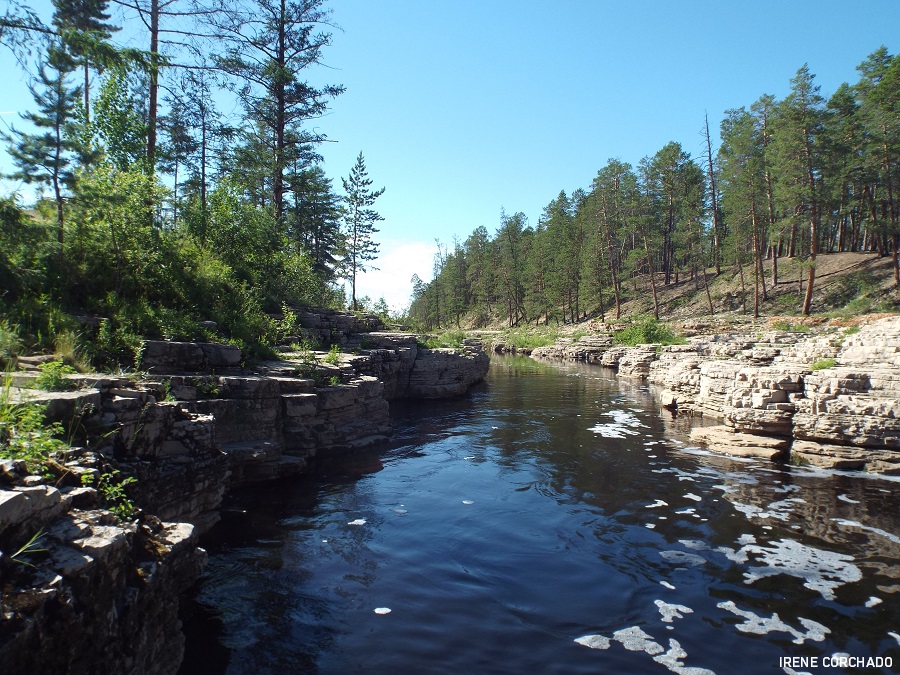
397	262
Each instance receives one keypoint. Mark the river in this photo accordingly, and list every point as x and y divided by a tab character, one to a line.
553	521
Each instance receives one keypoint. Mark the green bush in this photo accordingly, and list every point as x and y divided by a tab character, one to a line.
789	327
10	345
333	356
53	377
25	435
647	330
822	364
452	339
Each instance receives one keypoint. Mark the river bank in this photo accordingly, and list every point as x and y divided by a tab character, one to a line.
827	396
94	588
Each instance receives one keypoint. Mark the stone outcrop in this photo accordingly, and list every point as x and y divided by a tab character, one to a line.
828	397
92	590
106	591
587	349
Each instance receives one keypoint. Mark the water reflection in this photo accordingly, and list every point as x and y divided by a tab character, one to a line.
555	521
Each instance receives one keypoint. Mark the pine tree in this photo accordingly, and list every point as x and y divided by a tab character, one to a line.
359	222
83	25
270	44
47	157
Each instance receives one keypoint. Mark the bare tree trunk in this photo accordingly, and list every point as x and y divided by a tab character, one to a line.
714	196
652	278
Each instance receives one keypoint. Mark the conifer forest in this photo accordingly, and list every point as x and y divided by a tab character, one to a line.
165	216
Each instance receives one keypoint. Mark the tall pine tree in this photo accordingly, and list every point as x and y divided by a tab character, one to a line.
359	223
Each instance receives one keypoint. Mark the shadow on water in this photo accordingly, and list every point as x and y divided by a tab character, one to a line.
553	504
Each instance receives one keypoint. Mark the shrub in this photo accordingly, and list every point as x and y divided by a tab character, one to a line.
789	327
53	377
25	435
10	345
822	364
333	357
647	330
452	339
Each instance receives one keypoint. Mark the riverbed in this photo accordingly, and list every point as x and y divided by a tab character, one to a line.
555	520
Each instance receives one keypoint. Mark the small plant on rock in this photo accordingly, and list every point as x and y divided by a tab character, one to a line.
822	364
25	435
111	487
334	356
53	377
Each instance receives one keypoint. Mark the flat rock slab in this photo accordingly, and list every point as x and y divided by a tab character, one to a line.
725	440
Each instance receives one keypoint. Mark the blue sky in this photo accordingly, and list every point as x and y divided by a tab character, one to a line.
466	107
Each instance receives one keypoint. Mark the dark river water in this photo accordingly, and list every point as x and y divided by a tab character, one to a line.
553	521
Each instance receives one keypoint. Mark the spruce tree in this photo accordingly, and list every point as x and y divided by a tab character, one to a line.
359	222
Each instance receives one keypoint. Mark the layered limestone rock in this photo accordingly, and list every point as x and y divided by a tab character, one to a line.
442	373
105	591
90	590
726	440
843	414
587	349
836	392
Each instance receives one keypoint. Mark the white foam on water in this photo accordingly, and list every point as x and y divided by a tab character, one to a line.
822	571
667	585
845	498
594	641
649	526
672	660
852	523
872	601
670	612
652	456
657	503
358	521
682	558
636	640
760	625
895	636
746	539
781	509
467	501
684	512
691	495
623	424
382	610
400	512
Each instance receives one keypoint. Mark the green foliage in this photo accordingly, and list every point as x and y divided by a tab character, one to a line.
206	387
797	460
851	330
790	327
822	364
25	435
333	356
647	330
10	345
334	380
53	377
451	339
31	547
529	338
112	488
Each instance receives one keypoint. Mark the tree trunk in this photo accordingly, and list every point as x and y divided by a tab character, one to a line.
652	278
714	196
154	86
